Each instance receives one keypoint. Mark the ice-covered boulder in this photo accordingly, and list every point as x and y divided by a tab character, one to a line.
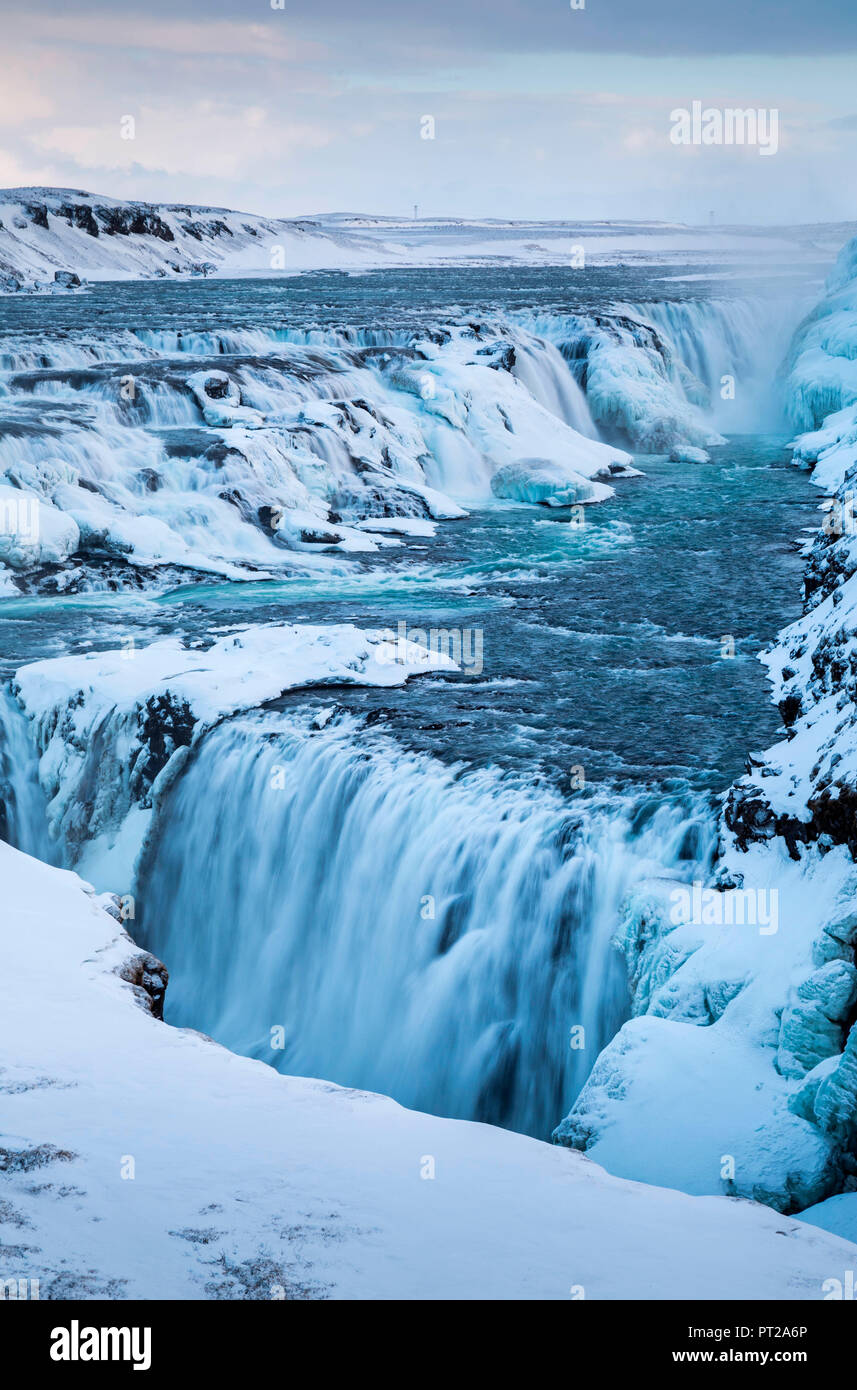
219	398
545	481
686	453
828	1094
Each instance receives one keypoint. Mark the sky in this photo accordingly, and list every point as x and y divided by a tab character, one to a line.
538	109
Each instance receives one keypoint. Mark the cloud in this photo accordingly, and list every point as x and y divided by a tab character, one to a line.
541	110
469	27
202	138
196	37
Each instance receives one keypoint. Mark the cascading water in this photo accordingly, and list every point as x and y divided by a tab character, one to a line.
412	928
657	371
741	339
539	365
23	808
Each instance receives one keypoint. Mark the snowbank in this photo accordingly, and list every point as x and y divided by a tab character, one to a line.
141	1161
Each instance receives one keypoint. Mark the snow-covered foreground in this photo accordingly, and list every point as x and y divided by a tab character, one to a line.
144	1161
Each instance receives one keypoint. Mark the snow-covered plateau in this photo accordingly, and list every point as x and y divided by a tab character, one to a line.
52	239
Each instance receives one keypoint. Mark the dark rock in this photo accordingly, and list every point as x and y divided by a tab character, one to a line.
216	388
165	725
133	220
38	214
79	215
149	977
269	518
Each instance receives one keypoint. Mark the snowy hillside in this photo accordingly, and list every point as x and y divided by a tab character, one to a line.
142	1161
46	231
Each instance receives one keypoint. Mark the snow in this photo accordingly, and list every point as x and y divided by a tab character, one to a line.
142	1161
103	238
837	1215
237	672
702	1059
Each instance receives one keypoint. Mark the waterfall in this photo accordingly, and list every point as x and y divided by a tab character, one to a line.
427	931
540	366
667	360
745	339
23	807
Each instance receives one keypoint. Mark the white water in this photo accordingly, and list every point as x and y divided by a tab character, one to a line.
23	808
414	929
633	378
358	421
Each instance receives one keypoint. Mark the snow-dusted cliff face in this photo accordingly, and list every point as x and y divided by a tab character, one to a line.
49	236
805	788
744	1045
114	729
